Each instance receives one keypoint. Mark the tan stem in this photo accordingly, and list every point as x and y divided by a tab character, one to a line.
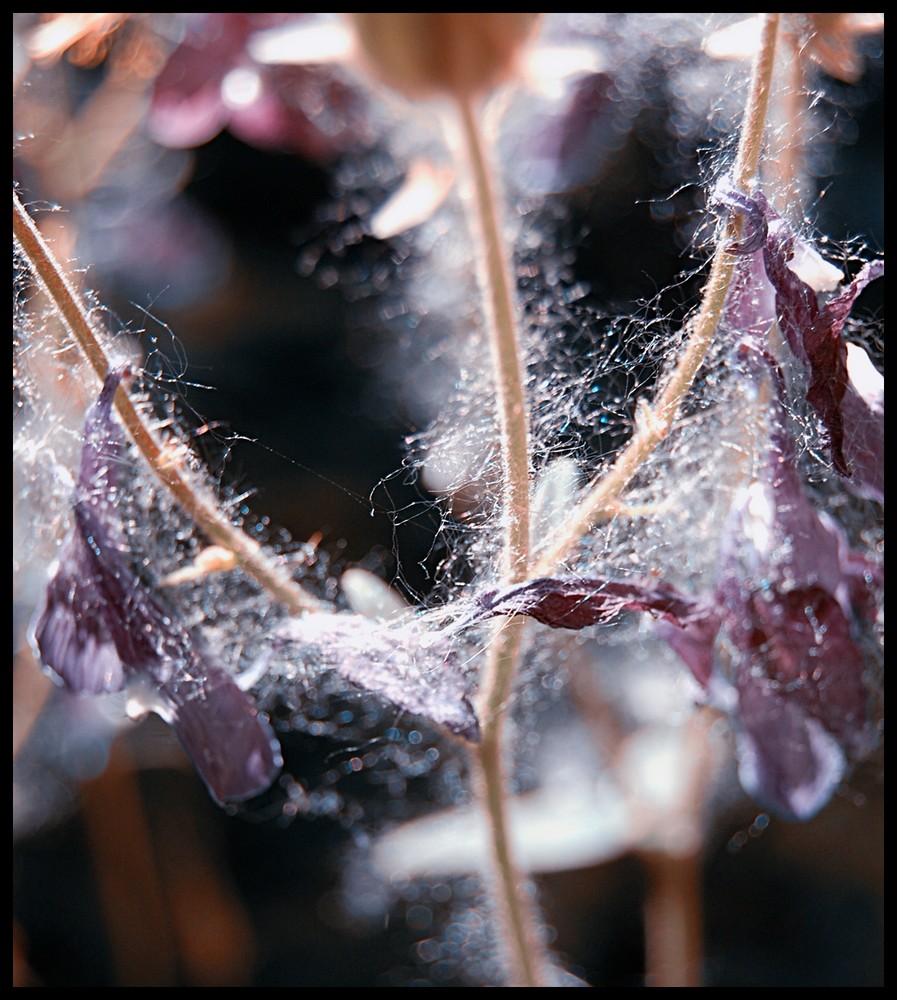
500	316
514	911
654	423
673	920
202	509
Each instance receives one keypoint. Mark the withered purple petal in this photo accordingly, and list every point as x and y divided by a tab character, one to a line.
102	628
579	603
800	644
775	537
754	210
188	107
279	106
814	331
790	594
750	309
694	644
815	334
863	409
232	747
787	761
72	642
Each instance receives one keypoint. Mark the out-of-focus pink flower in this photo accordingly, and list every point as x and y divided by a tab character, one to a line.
212	82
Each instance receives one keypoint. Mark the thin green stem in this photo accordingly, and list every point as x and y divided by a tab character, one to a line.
525	956
162	459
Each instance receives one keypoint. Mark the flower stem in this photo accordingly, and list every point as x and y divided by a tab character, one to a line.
526	962
515	915
654	423
673	919
500	317
201	509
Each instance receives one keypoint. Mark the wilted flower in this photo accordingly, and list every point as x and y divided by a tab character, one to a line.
102	628
790	598
774	644
847	397
791	594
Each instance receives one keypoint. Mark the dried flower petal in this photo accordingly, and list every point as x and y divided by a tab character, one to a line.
101	628
212	81
577	604
789	594
231	745
814	333
852	416
786	761
788	598
863	408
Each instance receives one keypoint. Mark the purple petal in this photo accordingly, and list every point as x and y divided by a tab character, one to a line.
302	109
290	108
694	643
799	644
750	308
863	408
96	605
71	641
577	604
187	107
815	334
788	761
101	628
231	745
688	625
791	593
777	539
75	637
754	210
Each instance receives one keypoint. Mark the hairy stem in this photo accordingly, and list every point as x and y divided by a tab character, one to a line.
500	317
653	423
201	509
513	906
